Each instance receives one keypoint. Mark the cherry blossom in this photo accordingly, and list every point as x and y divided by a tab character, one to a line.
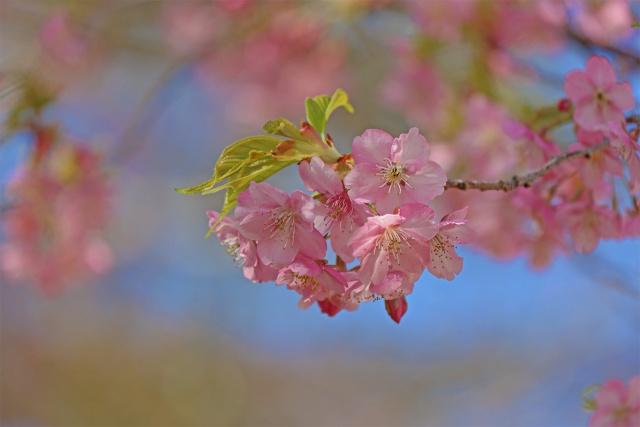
598	97
445	262
394	242
242	250
281	225
54	224
338	215
617	405
313	281
390	172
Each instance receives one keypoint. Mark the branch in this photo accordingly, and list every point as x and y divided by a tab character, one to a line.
528	179
586	42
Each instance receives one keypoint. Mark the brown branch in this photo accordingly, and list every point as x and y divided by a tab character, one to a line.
528	179
586	42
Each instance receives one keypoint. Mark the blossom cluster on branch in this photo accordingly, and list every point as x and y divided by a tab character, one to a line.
372	204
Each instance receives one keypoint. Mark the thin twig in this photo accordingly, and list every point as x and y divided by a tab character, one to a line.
528	179
584	41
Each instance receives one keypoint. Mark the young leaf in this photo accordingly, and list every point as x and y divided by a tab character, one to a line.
241	150
339	99
315	114
282	127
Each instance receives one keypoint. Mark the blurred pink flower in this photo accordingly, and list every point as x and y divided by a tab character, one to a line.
53	227
603	22
598	97
617	405
62	41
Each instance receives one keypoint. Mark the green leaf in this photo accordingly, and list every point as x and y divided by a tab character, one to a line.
315	115
198	188
241	150
282	127
637	25
339	99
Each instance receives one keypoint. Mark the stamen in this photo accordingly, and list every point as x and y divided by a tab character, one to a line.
394	175
281	225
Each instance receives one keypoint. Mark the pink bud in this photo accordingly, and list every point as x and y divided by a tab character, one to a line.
328	308
396	308
564	105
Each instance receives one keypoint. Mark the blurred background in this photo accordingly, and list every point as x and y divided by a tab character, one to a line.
174	335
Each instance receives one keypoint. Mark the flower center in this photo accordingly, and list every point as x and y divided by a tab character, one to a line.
233	248
394	175
281	225
339	208
392	242
440	244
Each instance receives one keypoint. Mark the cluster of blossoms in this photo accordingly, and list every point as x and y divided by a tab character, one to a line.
577	204
616	405
58	207
371	206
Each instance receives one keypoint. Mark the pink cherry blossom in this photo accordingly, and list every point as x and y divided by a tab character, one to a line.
445	262
394	285
598	97
394	242
617	405
281	225
587	223
242	250
338	215
312	280
593	170
53	227
604	22
535	150
62	40
390	172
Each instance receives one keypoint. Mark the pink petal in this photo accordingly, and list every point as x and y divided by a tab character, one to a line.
374	267
253	225
387	201
418	222
612	395
363	183
319	177
341	234
305	266
460	214
261	195
372	147
390	283
311	244
633	393
600	71
621	96
459	233
274	252
410	149
578	87
427	183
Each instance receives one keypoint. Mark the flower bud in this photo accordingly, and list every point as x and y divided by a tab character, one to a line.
396	308
564	105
